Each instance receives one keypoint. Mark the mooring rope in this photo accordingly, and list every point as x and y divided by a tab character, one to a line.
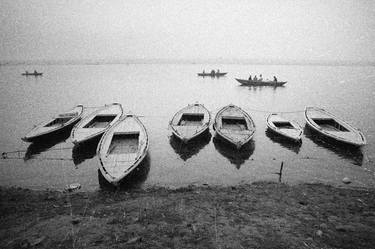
267	111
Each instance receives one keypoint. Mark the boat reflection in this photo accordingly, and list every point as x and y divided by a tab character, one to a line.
132	181
283	141
84	151
235	156
40	146
348	152
186	151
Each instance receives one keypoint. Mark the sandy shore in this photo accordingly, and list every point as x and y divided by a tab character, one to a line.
260	215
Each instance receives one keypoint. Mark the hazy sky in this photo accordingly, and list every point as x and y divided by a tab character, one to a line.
247	29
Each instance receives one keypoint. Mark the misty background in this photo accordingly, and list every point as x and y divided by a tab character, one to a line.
256	31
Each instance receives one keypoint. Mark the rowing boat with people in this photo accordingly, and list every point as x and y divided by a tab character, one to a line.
261	82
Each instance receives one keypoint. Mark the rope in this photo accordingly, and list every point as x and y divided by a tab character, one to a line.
24	151
266	111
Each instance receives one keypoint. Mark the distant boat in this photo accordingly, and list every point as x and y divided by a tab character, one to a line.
190	122
284	127
332	127
96	123
122	148
59	123
32	74
212	74
234	125
261	83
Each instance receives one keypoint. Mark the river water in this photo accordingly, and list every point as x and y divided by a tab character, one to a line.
155	92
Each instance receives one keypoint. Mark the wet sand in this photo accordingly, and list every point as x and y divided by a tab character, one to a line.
260	215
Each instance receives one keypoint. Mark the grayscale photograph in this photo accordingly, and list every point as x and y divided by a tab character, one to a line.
187	124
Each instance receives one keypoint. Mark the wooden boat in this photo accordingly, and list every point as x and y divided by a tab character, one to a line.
122	148
234	125
96	123
32	74
212	74
332	127
261	82
284	127
190	122
59	123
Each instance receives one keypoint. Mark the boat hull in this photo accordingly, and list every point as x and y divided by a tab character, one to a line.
32	74
96	123
285	128
234	125
261	83
119	152
44	130
212	75
332	127
190	122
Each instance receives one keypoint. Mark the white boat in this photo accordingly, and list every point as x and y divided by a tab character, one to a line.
333	127
234	125
96	123
122	148
284	127
59	123
190	122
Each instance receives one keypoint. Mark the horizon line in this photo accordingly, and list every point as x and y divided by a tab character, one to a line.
99	61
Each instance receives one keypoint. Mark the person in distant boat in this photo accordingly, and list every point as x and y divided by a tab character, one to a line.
203	71
255	78
260	77
212	72
218	71
274	78
250	77
35	72
27	72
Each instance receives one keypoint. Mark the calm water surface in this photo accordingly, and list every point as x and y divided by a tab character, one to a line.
156	92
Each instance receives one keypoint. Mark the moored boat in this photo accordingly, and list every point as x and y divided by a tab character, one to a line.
190	122
332	127
96	123
284	127
122	148
234	125
260	82
59	123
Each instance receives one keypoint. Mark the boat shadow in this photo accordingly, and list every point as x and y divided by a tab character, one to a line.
234	155
42	145
283	142
134	180
187	150
84	151
345	151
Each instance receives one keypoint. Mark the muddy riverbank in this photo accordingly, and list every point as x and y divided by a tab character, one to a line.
260	215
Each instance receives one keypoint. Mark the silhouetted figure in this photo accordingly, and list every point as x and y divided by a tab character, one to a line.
212	72
250	77
255	78
274	78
